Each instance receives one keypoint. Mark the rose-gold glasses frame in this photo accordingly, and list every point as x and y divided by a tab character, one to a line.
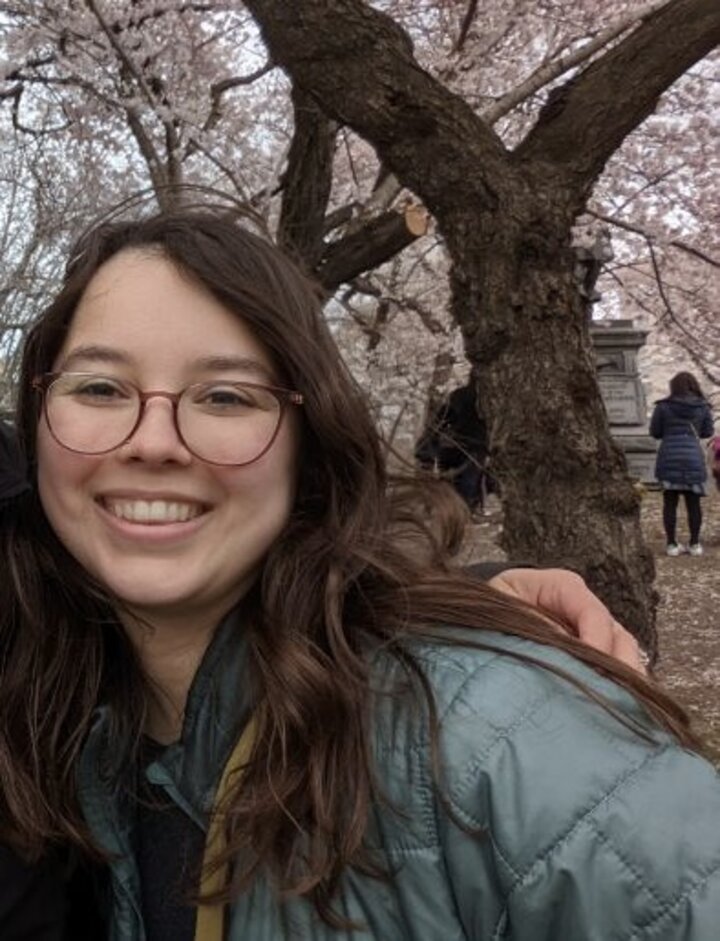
284	397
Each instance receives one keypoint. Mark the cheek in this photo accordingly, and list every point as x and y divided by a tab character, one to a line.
61	476
267	487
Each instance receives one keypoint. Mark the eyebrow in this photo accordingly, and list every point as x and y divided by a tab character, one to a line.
222	363
234	364
98	354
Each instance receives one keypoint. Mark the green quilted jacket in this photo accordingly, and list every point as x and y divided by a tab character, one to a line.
560	824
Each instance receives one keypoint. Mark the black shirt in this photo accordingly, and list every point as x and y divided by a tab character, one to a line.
169	849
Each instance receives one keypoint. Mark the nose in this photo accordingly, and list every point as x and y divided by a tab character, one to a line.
156	439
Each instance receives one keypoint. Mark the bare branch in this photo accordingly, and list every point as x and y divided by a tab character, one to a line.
586	120
122	55
219	89
366	286
649	184
340	216
467	22
147	149
379	240
650	238
685	340
224	169
559	66
161	176
225	84
385	193
307	180
669	311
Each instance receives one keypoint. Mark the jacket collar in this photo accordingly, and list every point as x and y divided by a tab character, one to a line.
218	706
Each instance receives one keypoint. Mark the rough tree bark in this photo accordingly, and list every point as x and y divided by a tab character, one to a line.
304	225
506	217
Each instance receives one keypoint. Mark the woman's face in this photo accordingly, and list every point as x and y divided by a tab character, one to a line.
141	321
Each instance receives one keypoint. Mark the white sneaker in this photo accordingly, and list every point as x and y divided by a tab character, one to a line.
674	549
695	549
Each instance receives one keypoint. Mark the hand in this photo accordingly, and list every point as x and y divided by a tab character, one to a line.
565	595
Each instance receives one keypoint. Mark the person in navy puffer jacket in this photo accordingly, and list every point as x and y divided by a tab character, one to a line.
680	421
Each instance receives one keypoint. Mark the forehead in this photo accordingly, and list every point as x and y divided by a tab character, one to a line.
140	305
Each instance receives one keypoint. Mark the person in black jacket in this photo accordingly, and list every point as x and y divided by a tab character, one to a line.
13	480
49	899
455	442
679	422
32	896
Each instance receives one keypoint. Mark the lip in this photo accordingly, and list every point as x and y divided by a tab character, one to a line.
151	534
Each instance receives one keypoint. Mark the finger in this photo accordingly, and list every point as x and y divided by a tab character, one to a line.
588	618
566	598
628	650
596	626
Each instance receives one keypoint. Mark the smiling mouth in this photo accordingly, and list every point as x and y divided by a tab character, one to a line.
153	512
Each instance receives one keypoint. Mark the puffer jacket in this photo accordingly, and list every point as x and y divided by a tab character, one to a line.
679	421
558	822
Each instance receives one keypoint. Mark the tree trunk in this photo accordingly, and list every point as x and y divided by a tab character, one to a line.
506	218
566	496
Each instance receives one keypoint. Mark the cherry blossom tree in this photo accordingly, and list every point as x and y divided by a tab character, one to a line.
509	120
507	215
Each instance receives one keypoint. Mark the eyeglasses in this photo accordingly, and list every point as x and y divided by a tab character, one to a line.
225	423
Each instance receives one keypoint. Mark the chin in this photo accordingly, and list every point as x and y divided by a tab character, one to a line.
150	594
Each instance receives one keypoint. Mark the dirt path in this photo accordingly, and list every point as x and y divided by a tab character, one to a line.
689	617
688	614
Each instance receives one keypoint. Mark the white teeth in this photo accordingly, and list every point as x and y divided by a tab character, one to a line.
153	511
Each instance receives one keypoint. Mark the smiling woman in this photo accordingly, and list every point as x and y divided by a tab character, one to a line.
118	469
224	674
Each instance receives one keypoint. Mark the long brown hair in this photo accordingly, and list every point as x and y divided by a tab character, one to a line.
684	383
346	574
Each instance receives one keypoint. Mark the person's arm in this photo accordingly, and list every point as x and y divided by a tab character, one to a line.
656	422
565	595
707	428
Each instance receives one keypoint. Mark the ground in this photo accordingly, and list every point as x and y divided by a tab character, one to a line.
688	614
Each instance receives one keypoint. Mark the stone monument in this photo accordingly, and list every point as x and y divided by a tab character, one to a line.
616	344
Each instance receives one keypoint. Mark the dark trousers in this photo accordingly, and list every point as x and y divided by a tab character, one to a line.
467	483
671	499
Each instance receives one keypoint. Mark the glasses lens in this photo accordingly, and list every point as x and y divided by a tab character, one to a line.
90	413
228	422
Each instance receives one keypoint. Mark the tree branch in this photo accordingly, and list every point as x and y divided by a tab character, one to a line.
586	120
122	55
340	216
160	175
218	90
554	69
669	310
676	243
68	80
467	22
358	62
307	181
376	242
